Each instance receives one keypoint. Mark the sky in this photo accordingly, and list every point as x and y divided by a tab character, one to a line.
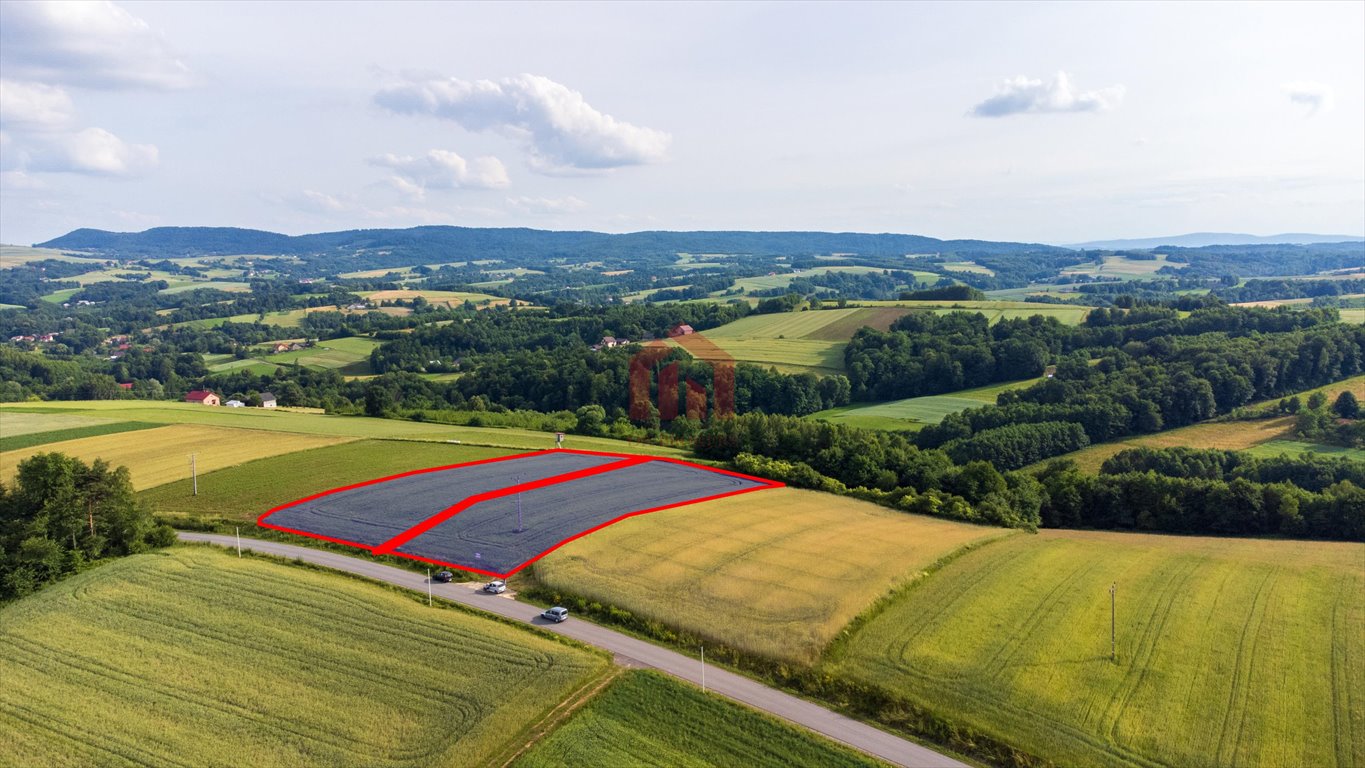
1036	122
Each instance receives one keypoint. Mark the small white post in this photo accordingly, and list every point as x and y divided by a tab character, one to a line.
428	587
239	541
194	474
703	669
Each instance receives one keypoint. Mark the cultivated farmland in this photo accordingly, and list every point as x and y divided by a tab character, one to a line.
914	412
1230	651
237	495
798	341
646	719
1227	435
283	420
776	573
162	455
193	657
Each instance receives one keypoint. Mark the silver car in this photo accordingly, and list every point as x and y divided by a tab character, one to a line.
555	614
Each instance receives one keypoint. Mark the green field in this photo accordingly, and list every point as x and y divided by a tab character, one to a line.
162	454
777	572
798	341
288	318
1230	651
1274	448
193	657
995	311
281	420
1123	267
237	494
349	355
645	719
914	412
14	442
17	255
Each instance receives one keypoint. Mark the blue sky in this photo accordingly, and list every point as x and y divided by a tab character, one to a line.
1016	121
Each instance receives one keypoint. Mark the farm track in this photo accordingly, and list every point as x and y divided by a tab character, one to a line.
803	713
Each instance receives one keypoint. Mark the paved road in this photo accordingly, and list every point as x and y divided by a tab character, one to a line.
627	650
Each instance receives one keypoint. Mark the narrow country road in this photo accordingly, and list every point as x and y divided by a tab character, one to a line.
627	650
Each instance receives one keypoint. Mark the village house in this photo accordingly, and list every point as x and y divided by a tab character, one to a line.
202	396
681	329
267	400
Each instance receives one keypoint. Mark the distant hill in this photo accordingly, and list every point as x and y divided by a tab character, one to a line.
453	243
1200	239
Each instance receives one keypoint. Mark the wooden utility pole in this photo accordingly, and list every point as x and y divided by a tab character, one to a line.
194	474
1113	636
703	669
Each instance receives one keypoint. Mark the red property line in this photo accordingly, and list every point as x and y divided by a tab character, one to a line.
390	547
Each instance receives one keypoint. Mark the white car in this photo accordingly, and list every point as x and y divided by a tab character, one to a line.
495	587
555	614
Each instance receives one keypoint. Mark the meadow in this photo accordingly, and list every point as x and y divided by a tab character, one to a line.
30	439
238	495
1123	267
646	719
349	355
995	311
795	342
17	255
446	298
914	412
777	573
194	657
288	421
162	455
1230	651
287	318
1259	436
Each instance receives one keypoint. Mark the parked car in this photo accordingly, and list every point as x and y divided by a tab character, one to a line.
444	576
496	587
556	614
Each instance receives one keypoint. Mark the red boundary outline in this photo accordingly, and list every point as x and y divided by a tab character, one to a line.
627	460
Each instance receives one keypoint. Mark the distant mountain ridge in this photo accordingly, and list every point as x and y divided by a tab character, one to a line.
469	242
1201	239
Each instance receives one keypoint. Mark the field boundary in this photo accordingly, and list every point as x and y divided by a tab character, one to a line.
390	546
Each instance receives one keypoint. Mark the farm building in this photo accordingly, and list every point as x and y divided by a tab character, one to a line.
267	399
202	396
681	329
125	385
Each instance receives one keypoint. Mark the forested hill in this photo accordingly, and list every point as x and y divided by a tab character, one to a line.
447	243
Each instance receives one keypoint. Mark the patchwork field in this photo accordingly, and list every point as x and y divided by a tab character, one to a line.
238	495
193	657
288	318
29	439
777	573
17	255
287	421
799	341
446	298
162	455
995	310
1229	436
1120	266
914	412
1230	651
350	355
1274	448
645	719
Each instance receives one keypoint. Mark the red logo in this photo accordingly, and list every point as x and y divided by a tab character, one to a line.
693	397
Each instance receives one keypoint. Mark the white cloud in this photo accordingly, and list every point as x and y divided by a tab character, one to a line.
442	169
561	131
97	152
33	106
319	202
1318	97
1021	95
546	206
86	44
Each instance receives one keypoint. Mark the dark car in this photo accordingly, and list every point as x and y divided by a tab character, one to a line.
444	577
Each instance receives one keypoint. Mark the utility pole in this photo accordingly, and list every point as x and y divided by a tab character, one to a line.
520	528
703	669
1113	637
428	587
194	474
239	541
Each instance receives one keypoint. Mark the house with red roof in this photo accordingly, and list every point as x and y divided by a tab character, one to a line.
202	396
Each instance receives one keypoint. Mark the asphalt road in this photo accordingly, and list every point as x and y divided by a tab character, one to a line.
628	651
